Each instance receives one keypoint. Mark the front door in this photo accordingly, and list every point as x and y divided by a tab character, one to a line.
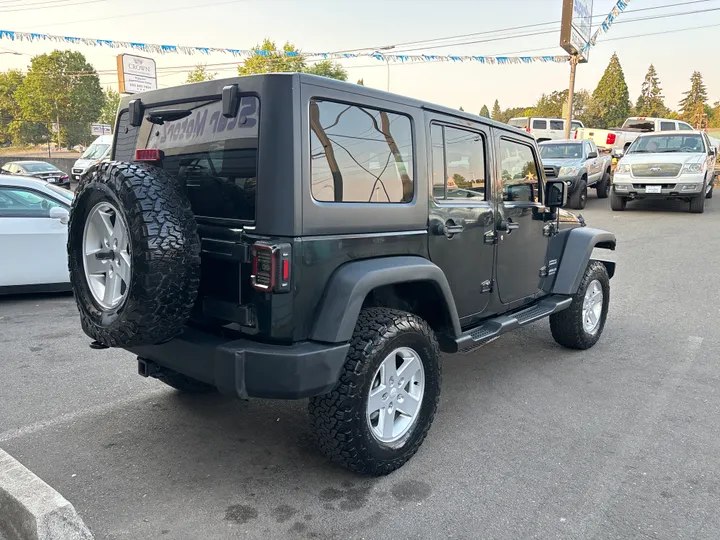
461	213
522	246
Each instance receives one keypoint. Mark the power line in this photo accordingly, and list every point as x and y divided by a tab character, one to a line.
54	5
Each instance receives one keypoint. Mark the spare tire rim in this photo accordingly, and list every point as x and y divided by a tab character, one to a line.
396	394
106	255
592	307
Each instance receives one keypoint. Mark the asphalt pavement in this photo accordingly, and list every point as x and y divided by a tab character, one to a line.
530	441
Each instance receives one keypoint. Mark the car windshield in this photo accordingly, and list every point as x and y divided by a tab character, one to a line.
40	166
570	150
667	143
95	151
65	194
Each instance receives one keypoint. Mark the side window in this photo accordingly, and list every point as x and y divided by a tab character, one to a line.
684	126
667	126
519	172
360	154
539	124
557	124
18	202
458	164
576	125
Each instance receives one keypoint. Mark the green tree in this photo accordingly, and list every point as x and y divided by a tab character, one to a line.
496	112
695	101
326	68
62	87
10	113
611	99
271	61
200	74
485	112
650	101
512	112
551	105
110	107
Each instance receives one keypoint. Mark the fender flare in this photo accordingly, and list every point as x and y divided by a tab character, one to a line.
350	284
575	247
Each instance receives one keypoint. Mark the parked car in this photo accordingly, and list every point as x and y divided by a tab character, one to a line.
544	129
580	165
336	273
618	140
668	165
37	169
33	235
96	152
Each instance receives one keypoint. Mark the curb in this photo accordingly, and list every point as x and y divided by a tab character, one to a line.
32	510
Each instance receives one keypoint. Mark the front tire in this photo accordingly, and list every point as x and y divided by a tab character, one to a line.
709	194
603	186
377	417
697	204
617	203
580	325
578	198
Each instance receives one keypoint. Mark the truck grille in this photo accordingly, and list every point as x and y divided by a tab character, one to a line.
550	172
664	170
77	171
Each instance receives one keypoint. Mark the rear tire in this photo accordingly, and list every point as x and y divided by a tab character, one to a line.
617	203
709	194
571	327
578	198
342	420
603	186
697	204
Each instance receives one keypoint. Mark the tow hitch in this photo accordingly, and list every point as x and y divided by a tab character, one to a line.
148	368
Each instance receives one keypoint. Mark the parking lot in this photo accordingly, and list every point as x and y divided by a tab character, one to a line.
530	441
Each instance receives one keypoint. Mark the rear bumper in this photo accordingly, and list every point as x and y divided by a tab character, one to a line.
245	369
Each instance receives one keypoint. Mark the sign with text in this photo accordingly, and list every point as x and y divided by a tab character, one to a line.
576	26
101	129
136	74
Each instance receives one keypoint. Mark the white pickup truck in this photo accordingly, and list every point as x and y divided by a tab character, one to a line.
617	140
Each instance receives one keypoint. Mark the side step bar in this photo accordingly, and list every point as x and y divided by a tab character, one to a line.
496	326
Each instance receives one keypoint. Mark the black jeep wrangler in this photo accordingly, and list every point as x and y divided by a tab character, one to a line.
290	236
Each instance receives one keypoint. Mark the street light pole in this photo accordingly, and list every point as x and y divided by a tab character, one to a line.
571	90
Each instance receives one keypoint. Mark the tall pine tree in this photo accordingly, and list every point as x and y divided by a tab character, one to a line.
693	105
496	112
611	99
650	101
484	111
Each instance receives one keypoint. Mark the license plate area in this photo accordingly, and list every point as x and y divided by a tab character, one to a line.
653	189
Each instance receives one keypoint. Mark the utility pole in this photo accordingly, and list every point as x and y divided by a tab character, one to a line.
571	90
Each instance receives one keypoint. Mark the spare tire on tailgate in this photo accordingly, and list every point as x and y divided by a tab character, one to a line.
134	255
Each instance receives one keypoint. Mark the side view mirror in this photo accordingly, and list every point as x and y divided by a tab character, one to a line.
592	155
555	194
57	212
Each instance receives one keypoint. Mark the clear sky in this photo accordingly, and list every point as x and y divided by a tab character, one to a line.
329	25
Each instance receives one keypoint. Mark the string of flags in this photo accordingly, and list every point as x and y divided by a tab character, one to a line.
607	22
246	53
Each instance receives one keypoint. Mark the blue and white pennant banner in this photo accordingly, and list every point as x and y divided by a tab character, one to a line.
607	22
246	53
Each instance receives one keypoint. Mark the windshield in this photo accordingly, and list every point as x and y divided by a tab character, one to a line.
95	151
65	194
39	167
570	150
667	143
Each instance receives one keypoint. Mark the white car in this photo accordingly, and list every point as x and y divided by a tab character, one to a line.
96	152
544	129
33	235
666	165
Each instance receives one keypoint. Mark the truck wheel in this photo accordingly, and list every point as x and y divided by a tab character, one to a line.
603	186
134	255
617	203
697	204
184	383
709	194
580	325
382	408
578	198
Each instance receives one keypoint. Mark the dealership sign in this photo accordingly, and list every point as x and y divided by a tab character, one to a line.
576	27
101	129
136	74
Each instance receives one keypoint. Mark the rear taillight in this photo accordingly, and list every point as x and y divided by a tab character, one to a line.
64	177
610	138
575	136
271	267
527	129
148	154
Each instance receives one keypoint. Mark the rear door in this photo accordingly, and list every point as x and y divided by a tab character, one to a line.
32	243
539	129
594	165
461	212
521	244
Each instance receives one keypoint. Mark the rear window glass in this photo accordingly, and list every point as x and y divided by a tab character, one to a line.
215	158
39	167
360	154
539	124
640	124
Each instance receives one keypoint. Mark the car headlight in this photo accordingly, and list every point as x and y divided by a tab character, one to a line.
568	171
693	168
622	168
